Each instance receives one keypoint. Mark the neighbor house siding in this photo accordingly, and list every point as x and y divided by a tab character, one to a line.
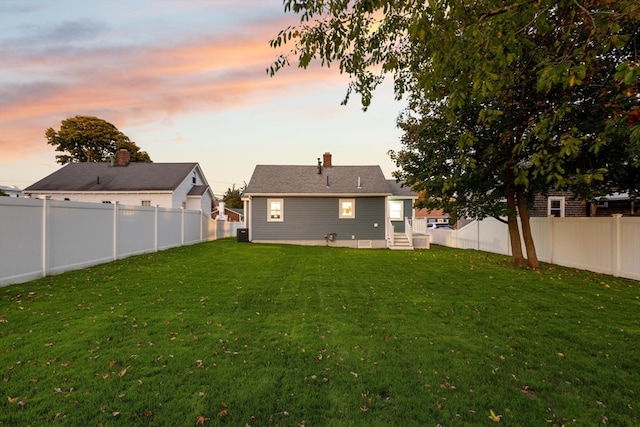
309	218
572	208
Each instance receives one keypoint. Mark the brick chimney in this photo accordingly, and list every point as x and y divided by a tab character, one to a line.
123	157
326	158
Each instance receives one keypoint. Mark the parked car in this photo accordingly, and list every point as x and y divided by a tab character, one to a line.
439	225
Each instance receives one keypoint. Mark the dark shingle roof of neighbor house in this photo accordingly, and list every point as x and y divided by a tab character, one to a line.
303	180
401	190
198	190
104	177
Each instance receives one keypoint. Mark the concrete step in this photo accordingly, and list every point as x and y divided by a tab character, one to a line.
401	242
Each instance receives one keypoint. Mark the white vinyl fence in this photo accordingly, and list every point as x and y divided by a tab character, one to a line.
44	237
604	245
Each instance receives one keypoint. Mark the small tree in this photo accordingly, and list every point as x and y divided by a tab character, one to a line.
232	197
90	139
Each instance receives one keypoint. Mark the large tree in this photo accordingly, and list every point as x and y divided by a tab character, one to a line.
90	139
506	98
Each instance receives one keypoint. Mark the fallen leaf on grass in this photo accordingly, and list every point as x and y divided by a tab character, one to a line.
123	372
201	420
493	417
12	399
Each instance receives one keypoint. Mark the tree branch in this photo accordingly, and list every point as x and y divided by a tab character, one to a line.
505	9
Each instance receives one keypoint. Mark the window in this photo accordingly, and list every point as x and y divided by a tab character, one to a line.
556	206
107	201
275	210
146	203
347	208
396	210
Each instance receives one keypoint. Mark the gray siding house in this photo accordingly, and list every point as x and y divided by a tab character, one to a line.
349	206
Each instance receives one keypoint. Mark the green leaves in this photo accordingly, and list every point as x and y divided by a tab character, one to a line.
504	99
90	139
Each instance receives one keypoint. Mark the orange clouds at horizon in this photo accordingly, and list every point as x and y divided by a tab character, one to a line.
130	86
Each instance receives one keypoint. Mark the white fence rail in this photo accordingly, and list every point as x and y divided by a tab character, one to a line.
603	245
44	237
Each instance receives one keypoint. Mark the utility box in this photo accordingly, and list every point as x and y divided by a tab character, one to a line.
242	235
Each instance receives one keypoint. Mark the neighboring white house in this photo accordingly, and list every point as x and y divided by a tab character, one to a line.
170	185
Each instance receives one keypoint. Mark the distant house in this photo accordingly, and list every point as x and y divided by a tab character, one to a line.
224	213
171	185
432	216
563	204
11	191
352	206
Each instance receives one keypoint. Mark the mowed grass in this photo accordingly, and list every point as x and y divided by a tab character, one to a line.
226	333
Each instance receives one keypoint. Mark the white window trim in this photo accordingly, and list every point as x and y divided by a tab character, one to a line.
555	199
269	202
352	215
401	217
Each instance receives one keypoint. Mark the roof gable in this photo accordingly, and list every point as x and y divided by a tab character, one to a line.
104	177
305	180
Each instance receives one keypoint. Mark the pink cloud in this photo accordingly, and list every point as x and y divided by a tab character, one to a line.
131	86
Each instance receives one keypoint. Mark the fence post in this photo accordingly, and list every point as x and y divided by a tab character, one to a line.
155	230
550	227
182	227
115	231
616	250
45	239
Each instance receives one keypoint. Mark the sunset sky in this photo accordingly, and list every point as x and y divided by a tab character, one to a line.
183	79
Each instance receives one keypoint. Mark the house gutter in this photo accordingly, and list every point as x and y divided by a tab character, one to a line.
49	192
319	195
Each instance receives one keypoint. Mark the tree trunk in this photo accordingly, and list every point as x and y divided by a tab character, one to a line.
532	257
514	231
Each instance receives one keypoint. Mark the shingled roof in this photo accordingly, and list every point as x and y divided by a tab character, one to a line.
400	189
305	180
104	177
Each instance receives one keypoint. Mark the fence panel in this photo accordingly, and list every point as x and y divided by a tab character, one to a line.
584	243
542	232
169	228
21	239
628	249
609	245
42	237
78	235
136	230
192	227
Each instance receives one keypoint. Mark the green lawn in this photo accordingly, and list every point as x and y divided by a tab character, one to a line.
226	333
